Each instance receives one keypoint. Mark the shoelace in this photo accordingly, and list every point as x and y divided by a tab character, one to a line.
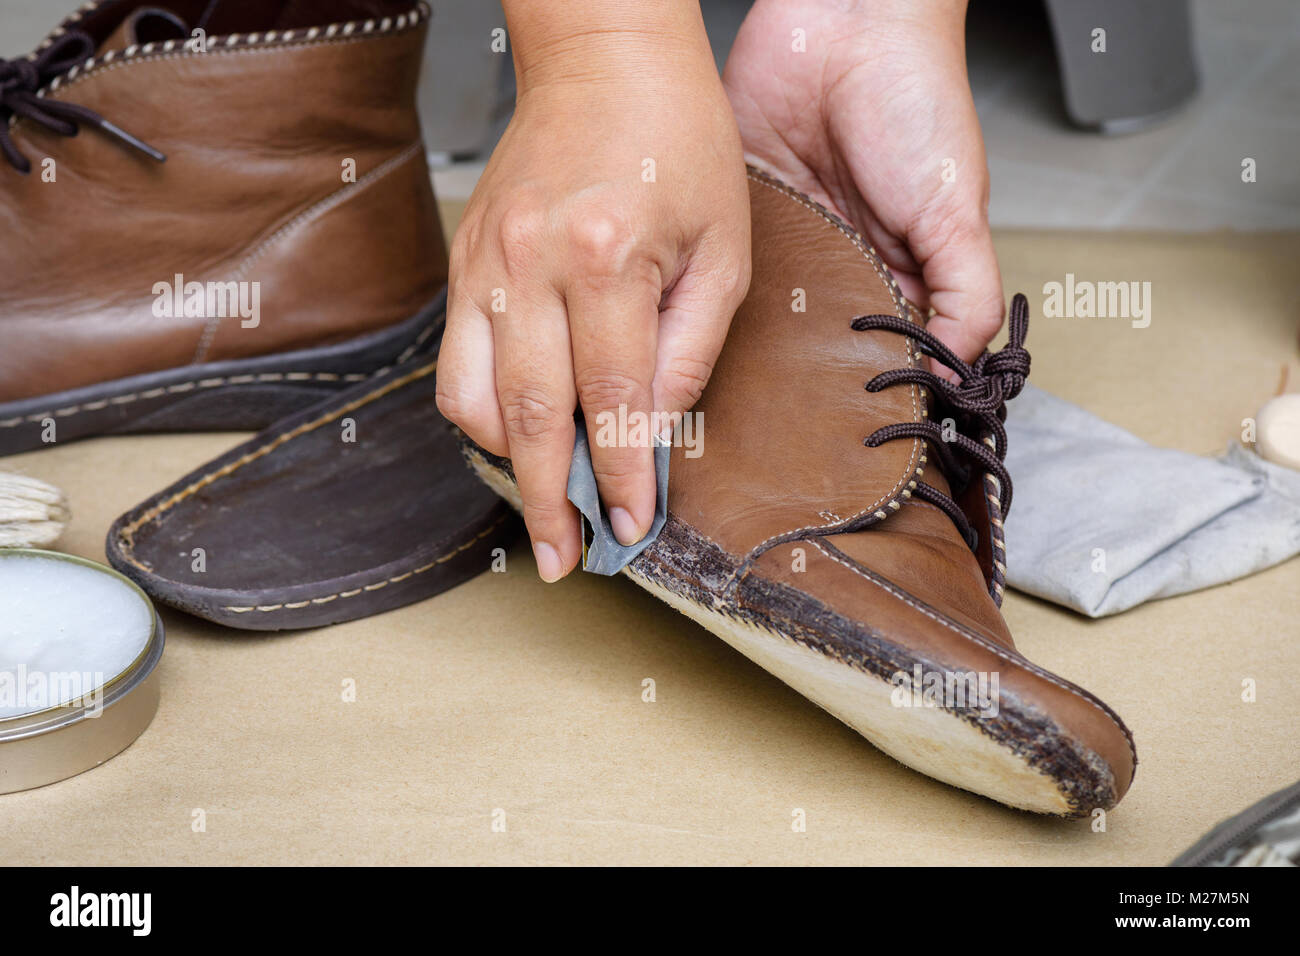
20	80
977	406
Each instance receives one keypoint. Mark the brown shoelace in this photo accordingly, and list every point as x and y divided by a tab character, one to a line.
20	81
977	406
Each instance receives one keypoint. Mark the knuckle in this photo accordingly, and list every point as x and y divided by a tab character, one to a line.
966	223
460	303
986	314
521	231
737	281
530	414
618	486
601	241
457	256
541	513
615	470
606	388
455	404
953	220
685	379
467	241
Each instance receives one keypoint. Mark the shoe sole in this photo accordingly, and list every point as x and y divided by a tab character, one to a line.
235	395
1020	758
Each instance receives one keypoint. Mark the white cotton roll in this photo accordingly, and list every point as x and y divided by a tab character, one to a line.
33	514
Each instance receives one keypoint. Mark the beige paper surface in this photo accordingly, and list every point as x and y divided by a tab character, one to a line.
510	695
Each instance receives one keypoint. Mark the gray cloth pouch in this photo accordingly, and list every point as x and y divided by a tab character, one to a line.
1103	521
601	551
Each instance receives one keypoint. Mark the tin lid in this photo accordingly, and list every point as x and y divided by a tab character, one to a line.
89	720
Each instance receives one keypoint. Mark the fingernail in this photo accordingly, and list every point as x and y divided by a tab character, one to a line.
625	527
549	565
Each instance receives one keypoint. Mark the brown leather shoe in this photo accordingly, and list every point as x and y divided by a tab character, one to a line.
242	223
830	533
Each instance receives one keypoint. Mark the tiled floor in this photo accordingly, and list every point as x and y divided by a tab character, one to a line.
1182	175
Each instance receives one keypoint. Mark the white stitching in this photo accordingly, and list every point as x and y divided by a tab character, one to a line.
913	465
126	57
378	585
142	58
979	639
191	385
182	387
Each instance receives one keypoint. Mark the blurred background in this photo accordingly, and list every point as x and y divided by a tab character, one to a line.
1187	90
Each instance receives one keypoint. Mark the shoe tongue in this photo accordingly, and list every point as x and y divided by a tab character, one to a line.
146	25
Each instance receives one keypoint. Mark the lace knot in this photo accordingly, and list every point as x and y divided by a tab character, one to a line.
1009	365
18	76
977	404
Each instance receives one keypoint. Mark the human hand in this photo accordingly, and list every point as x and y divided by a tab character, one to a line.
600	258
875	120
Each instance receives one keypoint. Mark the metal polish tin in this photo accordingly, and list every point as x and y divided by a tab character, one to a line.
62	741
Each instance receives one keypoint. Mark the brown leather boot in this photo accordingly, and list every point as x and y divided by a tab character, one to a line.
843	525
242	222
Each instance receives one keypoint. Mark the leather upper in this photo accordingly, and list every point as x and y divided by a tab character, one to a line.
776	476
258	131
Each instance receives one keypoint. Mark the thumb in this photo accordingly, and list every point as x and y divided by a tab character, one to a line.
965	288
693	324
